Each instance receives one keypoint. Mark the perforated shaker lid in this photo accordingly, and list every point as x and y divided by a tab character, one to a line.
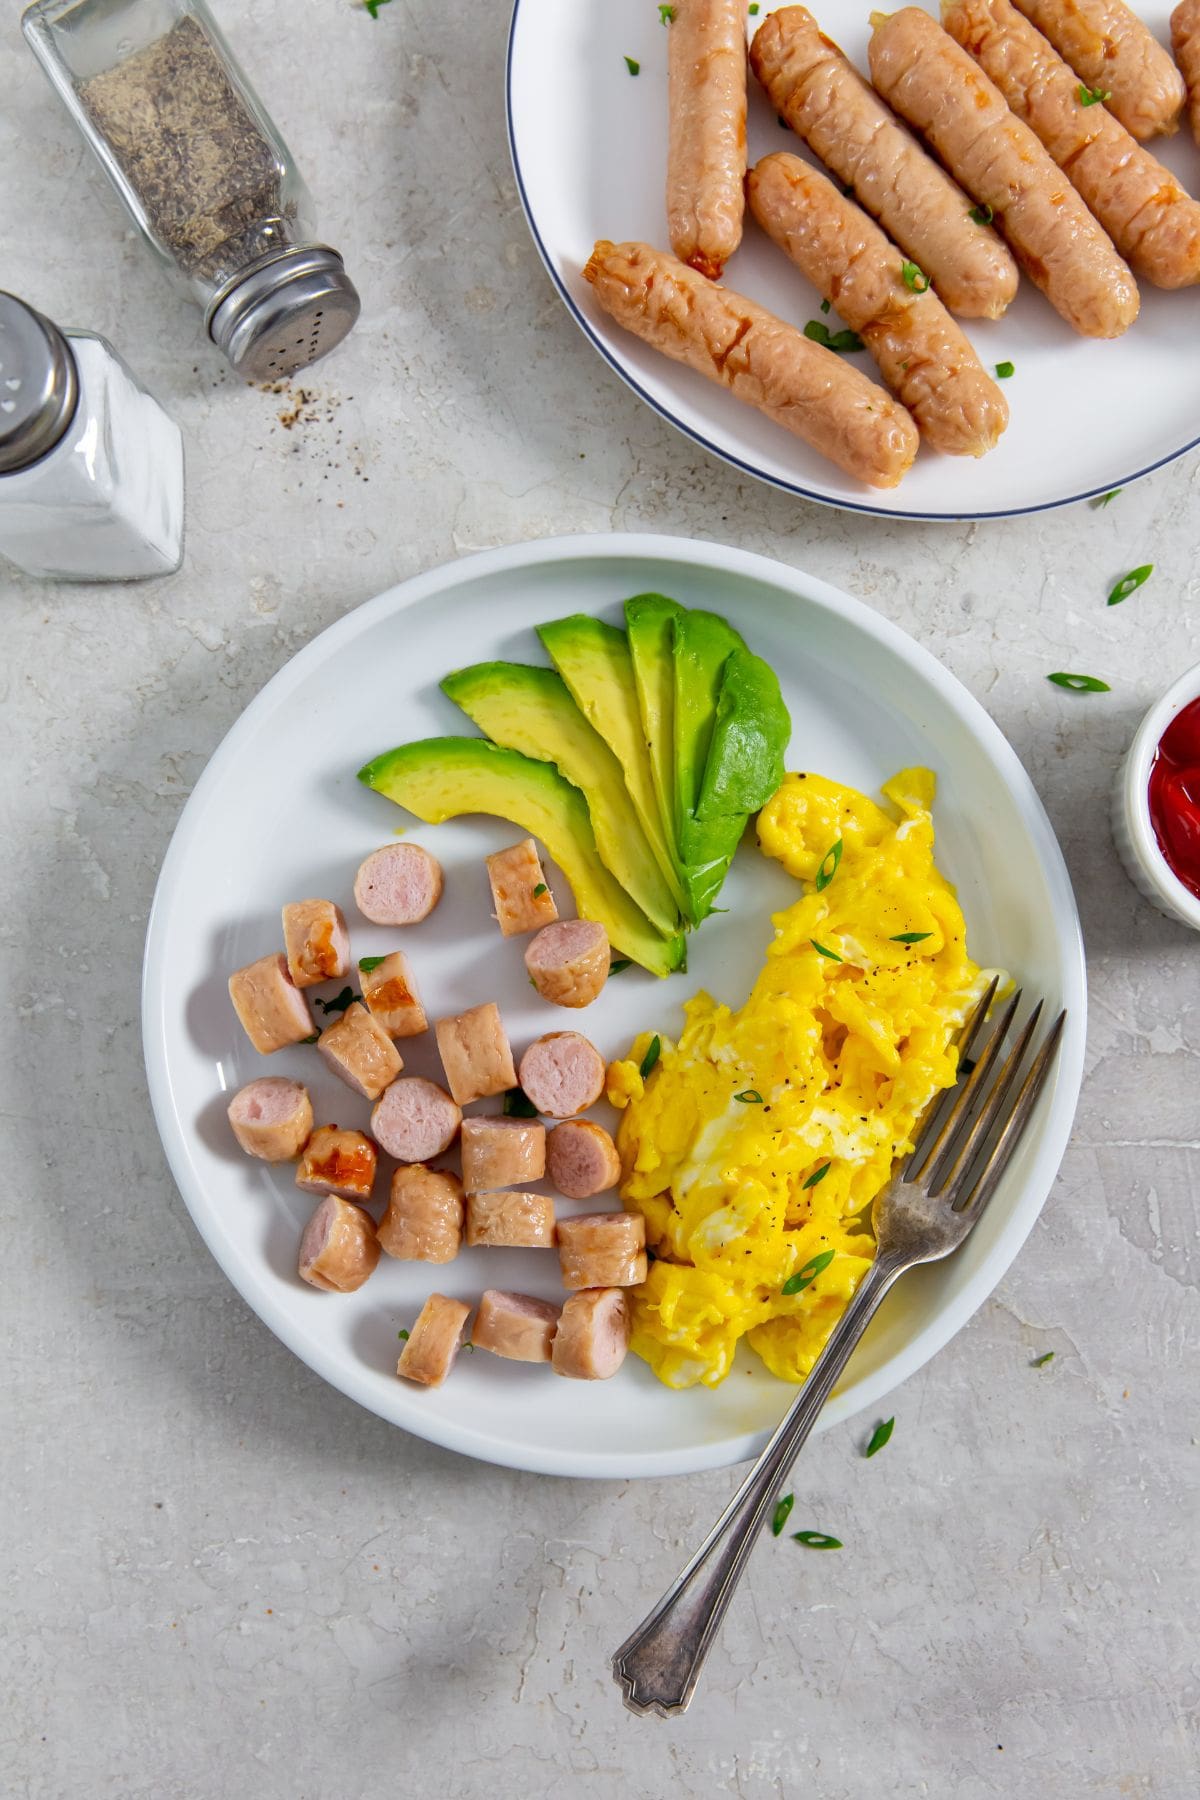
285	312
39	387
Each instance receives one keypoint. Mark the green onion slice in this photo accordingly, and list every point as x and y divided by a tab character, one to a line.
822	951
817	1176
1130	583
1079	684
651	1057
829	866
783	1507
796	1284
880	1436
817	1540
750	1097
915	278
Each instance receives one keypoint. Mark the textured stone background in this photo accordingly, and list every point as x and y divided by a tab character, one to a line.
225	1579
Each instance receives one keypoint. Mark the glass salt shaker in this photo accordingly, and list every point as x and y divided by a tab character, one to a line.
203	172
91	467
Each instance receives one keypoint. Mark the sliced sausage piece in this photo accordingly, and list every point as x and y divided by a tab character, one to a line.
568	962
272	1010
500	1153
740	346
1153	222
581	1159
515	1325
415	1119
827	102
599	1250
357	1048
339	1248
521	897
338	1162
706	149
562	1074
934	84
1185	41
424	1219
592	1335
390	996
315	942
272	1118
509	1216
434	1341
475	1053
399	884
922	354
1110	49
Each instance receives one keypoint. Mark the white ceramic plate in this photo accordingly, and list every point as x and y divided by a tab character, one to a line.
278	814
589	150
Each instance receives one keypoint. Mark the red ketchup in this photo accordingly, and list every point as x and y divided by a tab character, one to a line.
1174	795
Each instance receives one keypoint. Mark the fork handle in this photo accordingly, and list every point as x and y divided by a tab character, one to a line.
659	1665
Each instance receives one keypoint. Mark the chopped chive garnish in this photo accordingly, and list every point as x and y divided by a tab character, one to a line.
817	1540
651	1057
822	951
796	1284
818	1175
1091	96
880	1436
825	305
752	9
367	963
982	214
622	962
539	890
518	1105
1039	1362
915	278
844	342
783	1507
910	937
1004	370
1128	584
402	1334
373	6
340	1002
311	1040
1099	500
635	68
829	866
750	1097
1079	684
666	14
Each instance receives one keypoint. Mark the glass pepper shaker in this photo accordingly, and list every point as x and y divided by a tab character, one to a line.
203	172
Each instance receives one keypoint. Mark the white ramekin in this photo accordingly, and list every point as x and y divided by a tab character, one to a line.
1145	863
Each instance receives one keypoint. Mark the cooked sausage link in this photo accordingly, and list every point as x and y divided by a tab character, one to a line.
272	1118
923	356
475	1054
510	1217
771	366
598	1250
415	1119
270	1007
357	1048
339	1248
581	1159
1185	41
424	1219
390	995
399	884
1153	222
315	942
937	88
434	1341
562	1073
706	151
1109	48
592	1335
515	1325
521	894
499	1153
826	101
568	963
338	1162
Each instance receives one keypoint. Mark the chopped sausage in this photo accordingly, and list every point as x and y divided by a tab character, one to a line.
508	1216
521	894
358	1049
706	152
592	1335
770	365
434	1341
826	101
338	1162
581	1159
475	1053
931	81
339	1248
1110	49
599	1250
922	354
272	1010
399	884
562	1074
315	942
1152	221
500	1153
415	1119
568	962
515	1325
1185	41
272	1118
424	1219
390	995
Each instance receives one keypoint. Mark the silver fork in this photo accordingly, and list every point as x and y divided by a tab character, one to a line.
929	1206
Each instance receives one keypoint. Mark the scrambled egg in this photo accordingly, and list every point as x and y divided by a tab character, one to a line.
758	1141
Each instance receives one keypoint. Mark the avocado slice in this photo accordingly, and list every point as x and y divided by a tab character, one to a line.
703	643
749	741
650	629
440	778
530	710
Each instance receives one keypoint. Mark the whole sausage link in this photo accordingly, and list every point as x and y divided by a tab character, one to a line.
1112	51
1185	41
706	153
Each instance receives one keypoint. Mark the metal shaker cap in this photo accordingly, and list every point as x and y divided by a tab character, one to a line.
285	312
39	386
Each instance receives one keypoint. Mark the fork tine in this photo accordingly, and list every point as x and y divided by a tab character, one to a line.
930	1161
937	1112
991	1109
1014	1128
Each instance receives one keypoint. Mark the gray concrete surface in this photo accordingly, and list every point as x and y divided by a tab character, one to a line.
224	1580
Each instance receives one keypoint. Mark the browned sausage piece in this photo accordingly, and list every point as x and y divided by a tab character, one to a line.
1185	41
399	884
923	356
357	1048
390	995
415	1119
592	1335
424	1219
339	1248
937	88
1110	49
515	1325
475	1054
521	894
509	1216
568	962
434	1341
315	942
581	1159
706	152
598	1250
338	1162
1153	222
562	1074
272	1010
272	1118
827	102
771	366
500	1153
